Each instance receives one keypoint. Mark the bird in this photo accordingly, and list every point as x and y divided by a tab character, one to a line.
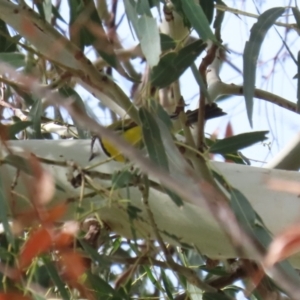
132	133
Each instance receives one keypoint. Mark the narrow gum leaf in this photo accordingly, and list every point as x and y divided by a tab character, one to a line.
251	52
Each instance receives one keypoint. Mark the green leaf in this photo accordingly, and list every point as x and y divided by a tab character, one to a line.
161	113
298	84
48	10
57	15
132	15
18	162
166	42
40	8
12	130
194	292
208	9
150	39
42	276
94	254
236	158
197	18
172	65
102	289
201	83
155	146
121	179
296	13
5	212
251	52
83	14
15	59
6	42
133	211
151	277
100	40
237	142
35	114
215	296
143	8
167	284
152	139
219	270
145	28
242	208
69	92
60	285
253	223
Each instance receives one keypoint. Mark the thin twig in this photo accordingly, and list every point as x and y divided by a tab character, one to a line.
250	15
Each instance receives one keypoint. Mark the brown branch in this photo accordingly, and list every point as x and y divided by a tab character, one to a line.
190	274
206	61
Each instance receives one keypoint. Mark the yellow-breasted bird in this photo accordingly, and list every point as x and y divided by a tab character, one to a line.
132	133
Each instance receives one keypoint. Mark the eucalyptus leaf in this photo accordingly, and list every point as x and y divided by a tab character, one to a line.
102	288
5	212
166	42
196	16
121	179
152	139
19	163
69	92
59	283
215	296
242	209
237	142
296	13
200	82
155	147
132	15
208	9
167	284
12	130
150	39
251	52
15	59
47	10
161	113
133	211
57	15
236	158
172	65
219	270
194	292
298	83
6	42
91	32
143	8
94	254
35	114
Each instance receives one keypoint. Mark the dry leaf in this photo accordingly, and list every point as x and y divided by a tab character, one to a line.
284	245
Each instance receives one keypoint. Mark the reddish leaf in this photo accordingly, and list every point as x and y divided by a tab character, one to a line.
283	246
26	218
42	187
28	27
54	214
39	241
13	296
74	265
63	240
229	130
3	133
228	133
